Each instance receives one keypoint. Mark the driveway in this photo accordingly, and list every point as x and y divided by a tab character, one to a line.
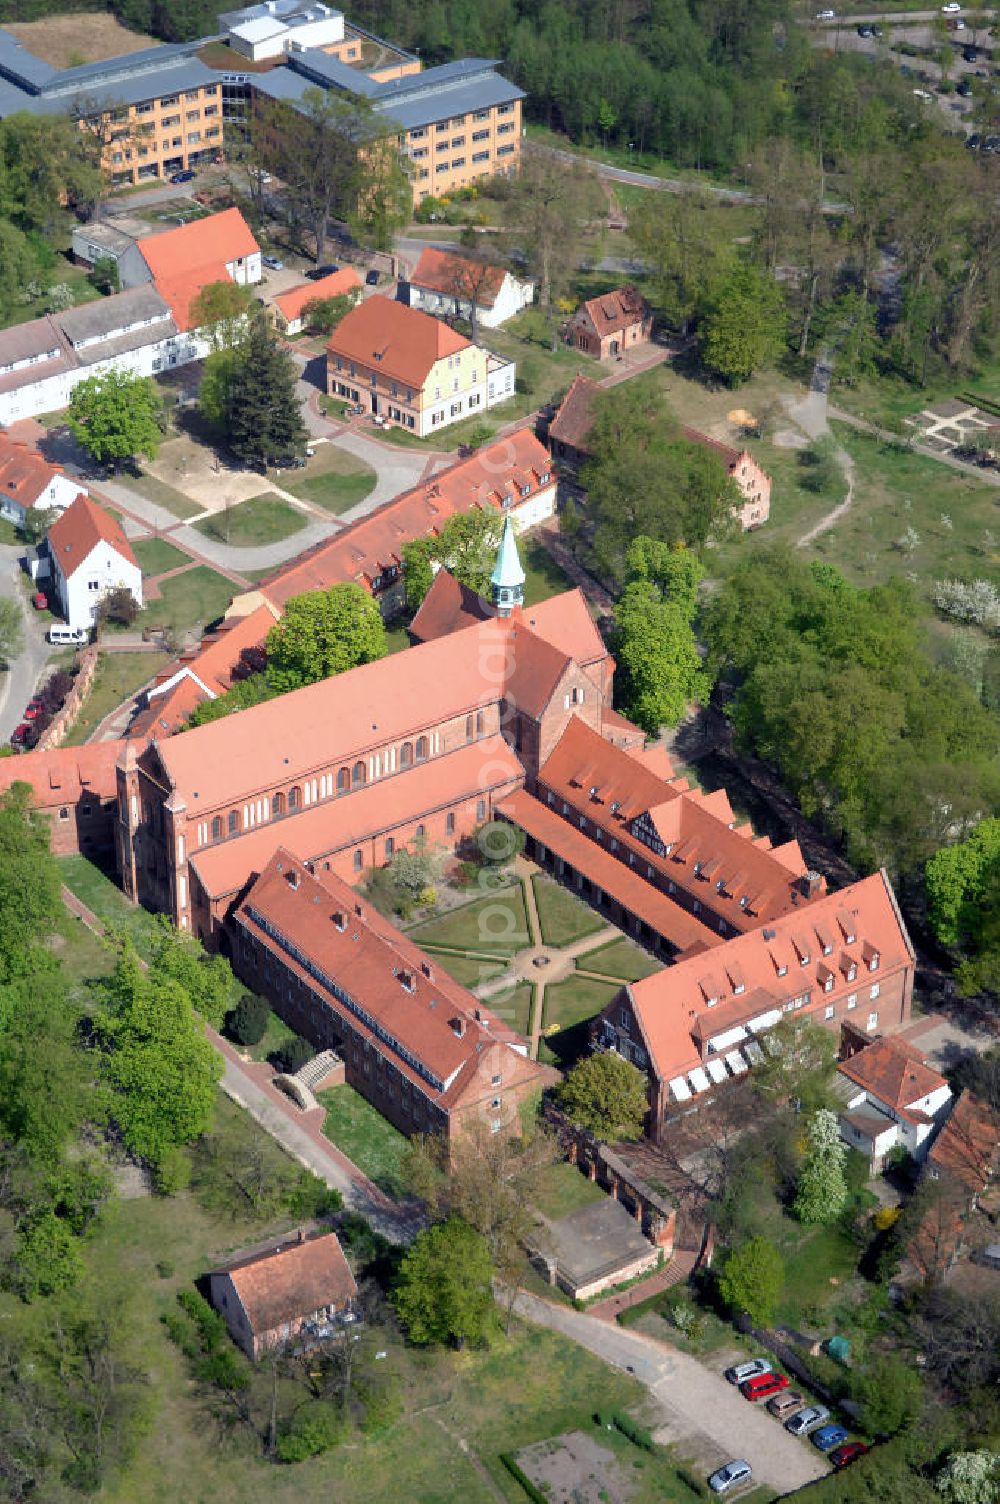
697	1408
19	681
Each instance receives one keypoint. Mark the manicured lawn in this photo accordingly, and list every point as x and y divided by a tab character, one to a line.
156	556
466	970
622	958
955	517
192	599
262	519
118	676
496	925
104	898
332	479
542	575
513	1007
562	916
334	407
276	1034
561	1188
163	495
365	1136
578	998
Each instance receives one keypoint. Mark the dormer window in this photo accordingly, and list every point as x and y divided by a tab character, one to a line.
873	961
720	885
744	901
782	970
697	869
828	984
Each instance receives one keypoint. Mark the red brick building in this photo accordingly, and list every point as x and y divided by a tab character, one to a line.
609	326
420	1048
292	1287
76	789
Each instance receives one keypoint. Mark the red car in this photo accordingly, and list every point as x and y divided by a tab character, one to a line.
848	1453
33	710
39	601
19	733
763	1385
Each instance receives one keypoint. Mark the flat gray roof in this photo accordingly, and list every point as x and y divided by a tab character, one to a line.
592	1242
21	66
439	104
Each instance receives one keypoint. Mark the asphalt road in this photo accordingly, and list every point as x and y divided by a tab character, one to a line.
894	16
19	681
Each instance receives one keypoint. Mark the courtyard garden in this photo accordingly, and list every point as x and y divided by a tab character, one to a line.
332	479
258	520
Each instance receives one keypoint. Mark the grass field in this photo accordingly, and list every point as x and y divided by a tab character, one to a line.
164	495
75	278
118	676
622	958
192	599
365	1136
104	898
332	479
83	37
466	970
262	519
156	556
562	916
542	575
578	998
561	1188
496	925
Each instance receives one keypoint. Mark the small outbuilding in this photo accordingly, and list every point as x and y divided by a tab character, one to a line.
294	1286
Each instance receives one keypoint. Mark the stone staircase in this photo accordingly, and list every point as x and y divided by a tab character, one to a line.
317	1069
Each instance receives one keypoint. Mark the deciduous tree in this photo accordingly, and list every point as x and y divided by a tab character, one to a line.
443	1292
607	1095
116	417
821	1192
743	323
324	632
751	1280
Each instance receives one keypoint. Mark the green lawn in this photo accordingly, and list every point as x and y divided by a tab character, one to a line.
622	958
193	599
466	970
955	517
262	519
496	925
64	271
542	575
164	495
578	998
277	1033
513	1007
562	916
156	556
118	676
104	898
561	1188
365	1136
332	479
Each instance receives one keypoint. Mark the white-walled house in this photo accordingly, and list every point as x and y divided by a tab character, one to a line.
890	1097
88	557
27	480
447	284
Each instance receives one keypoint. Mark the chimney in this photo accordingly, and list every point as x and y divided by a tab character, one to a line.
810	883
359	911
425	967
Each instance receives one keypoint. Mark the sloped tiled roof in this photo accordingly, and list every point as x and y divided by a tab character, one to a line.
201	674
572	422
458	276
336	285
893	1071
449	606
616	310
207	242
24	474
73	536
292	1280
65	775
389	337
968	1146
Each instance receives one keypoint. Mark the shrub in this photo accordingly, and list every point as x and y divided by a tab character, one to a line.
119	606
977	601
55	689
292	1055
533	1492
313	1430
247	1022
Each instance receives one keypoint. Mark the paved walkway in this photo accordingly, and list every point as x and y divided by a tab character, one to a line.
674	1272
19	681
695	1406
299	1133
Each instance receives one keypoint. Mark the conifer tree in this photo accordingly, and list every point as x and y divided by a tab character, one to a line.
262	416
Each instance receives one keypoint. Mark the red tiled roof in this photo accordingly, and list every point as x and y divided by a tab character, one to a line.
24	474
672	1004
436	1031
169	712
572	423
291	1280
338	824
201	674
64	775
449	606
728	455
364	549
73	536
336	285
402	342
179	289
616	310
565	621
458	276
892	1071
209	242
968	1146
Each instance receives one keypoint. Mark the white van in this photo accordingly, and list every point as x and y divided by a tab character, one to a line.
72	635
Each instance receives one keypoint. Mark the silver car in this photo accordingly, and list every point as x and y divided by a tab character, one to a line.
749	1370
730	1476
807	1419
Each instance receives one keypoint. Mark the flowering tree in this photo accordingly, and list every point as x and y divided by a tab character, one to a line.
970	1478
822	1187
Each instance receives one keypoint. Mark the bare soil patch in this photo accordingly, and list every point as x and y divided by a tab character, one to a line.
69	41
573	1469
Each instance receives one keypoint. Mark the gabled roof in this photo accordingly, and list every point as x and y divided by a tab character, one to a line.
65	775
201	674
449	606
616	310
207	242
389	337
24	474
460	277
74	536
336	285
893	1071
673	1005
574	418
364	549
968	1146
290	1280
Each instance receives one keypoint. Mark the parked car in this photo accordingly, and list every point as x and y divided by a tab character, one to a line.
763	1386
39	601
923	94
865	31
850	1452
826	15
33	710
68	635
951	9
274	263
786	1404
371	278
187	176
970	54
747	1370
812	1415
877	31
316	272
828	1437
19	733
964	90
725	1478
973	141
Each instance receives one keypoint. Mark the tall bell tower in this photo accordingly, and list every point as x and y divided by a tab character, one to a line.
507	579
